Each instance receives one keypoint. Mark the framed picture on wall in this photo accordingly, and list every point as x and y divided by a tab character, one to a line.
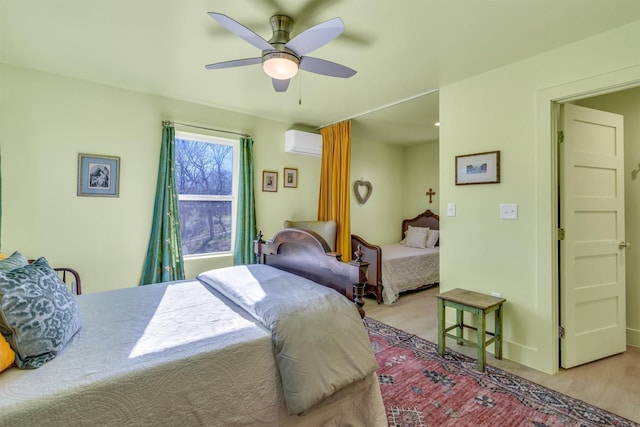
479	168
290	177
269	181
98	175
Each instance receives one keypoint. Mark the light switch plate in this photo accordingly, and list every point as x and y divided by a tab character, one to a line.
451	209
509	211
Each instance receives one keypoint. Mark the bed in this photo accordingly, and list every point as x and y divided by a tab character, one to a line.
213	350
397	267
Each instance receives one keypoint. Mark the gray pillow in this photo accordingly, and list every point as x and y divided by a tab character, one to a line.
38	313
16	260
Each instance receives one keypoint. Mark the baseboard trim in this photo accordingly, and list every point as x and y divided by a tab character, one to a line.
633	337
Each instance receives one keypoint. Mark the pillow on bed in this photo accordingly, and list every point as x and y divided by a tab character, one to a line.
432	238
16	260
38	313
416	237
7	356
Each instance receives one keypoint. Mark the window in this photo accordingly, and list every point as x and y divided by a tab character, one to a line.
207	181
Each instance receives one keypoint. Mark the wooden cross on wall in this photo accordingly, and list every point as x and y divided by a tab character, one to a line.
430	193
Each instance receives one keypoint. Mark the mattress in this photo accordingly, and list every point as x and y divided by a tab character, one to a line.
174	354
405	268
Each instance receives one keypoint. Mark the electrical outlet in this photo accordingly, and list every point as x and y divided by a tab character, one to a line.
496	294
509	211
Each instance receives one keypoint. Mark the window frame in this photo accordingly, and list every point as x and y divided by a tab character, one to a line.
233	198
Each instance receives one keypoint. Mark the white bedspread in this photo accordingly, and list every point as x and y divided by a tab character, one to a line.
319	339
405	268
176	354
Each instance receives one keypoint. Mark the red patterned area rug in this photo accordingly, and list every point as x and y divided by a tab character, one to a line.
422	388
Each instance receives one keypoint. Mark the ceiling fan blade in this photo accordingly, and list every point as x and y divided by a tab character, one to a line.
234	63
316	36
311	8
326	68
280	85
241	31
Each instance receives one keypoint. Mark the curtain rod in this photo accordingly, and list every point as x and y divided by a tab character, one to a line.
382	107
169	122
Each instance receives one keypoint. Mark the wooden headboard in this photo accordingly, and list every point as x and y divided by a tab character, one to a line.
425	219
305	253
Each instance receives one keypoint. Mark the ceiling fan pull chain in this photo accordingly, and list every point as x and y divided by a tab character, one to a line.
300	89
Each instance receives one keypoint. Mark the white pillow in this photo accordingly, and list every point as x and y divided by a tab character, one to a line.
416	237
432	238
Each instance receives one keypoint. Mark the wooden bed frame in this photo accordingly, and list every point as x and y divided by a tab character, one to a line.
73	282
373	253
305	253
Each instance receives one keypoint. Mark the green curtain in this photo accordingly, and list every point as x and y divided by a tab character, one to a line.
164	260
246	230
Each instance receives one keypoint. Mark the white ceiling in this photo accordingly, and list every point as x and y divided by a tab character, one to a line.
401	49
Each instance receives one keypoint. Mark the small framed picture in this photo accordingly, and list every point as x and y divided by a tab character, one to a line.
98	176
290	177
479	168
269	181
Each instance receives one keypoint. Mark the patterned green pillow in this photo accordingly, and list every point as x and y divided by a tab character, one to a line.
16	260
38	314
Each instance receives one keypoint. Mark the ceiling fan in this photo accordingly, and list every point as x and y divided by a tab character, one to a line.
282	57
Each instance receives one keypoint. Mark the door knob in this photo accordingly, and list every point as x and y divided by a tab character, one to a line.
624	245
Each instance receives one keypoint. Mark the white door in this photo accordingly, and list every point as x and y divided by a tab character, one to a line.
592	253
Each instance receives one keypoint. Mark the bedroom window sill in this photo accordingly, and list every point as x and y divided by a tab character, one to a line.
207	256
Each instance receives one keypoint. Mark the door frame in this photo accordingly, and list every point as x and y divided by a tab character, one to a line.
548	101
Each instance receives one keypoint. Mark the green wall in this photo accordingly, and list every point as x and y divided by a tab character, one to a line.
421	172
400	177
46	120
381	165
627	103
510	109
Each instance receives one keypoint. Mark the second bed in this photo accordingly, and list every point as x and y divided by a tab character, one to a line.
403	266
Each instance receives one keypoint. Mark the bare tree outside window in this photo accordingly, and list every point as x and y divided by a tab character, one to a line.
205	177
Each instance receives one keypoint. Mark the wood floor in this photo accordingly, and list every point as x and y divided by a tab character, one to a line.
612	383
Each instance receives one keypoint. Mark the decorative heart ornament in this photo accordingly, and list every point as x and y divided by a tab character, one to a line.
358	188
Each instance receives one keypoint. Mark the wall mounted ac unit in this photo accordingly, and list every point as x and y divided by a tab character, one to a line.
299	142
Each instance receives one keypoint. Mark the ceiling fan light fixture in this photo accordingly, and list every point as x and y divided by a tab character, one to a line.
280	65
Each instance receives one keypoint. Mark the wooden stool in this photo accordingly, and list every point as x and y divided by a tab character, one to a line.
477	303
